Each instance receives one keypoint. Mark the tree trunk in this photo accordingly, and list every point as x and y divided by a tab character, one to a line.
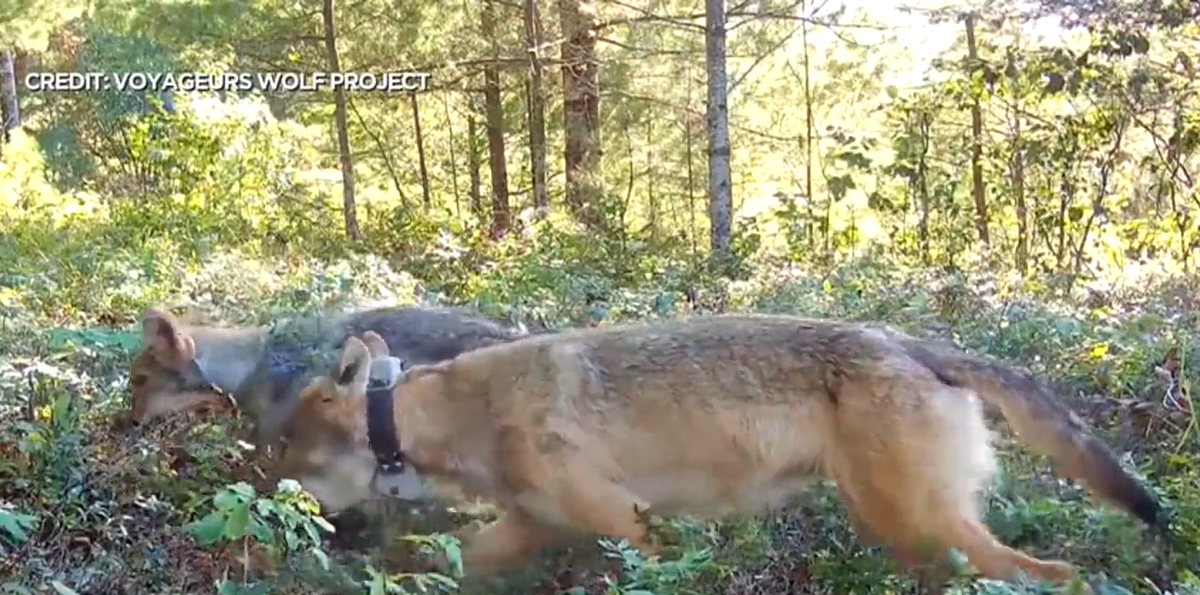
495	127
720	201
1018	175
10	107
474	164
537	108
981	216
1181	183
652	173
349	206
581	112
689	142
416	113
924	128
1017	172
453	154
1097	218
810	224
1065	200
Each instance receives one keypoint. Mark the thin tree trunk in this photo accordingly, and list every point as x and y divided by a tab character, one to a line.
1017	171
1065	200
652	173
581	112
623	205
537	108
453	154
719	186
349	206
981	215
426	201
10	106
495	127
474	164
1181	184
1106	168
809	225
924	126
689	133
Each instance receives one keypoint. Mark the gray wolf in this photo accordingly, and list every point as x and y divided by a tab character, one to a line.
589	430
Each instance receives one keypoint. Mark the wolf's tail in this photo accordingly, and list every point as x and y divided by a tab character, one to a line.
1043	423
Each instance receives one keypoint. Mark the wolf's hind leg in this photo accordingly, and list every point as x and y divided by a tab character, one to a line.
929	562
914	477
998	561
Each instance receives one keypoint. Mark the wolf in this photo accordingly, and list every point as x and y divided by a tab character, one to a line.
587	431
183	366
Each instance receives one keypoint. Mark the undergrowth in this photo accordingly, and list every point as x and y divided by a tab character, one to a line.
87	508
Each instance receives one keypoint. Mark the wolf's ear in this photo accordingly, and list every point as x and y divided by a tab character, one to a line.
376	346
353	372
160	333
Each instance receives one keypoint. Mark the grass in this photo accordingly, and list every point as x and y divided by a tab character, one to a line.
85	508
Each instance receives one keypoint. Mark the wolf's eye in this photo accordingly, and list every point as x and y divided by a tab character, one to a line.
138	380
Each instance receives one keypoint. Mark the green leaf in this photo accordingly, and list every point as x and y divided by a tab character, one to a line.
450	545
268	507
445	581
17	525
324	524
291	540
238	522
242	489
62	589
15	589
227	501
321	557
209	530
233	588
310	529
378	584
262	533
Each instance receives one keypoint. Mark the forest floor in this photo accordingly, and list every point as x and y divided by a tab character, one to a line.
88	507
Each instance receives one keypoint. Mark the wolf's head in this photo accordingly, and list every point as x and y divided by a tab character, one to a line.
164	375
324	441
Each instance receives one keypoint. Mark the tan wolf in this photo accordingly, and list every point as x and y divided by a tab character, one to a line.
264	367
585	431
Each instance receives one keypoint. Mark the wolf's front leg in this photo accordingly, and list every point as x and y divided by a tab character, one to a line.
500	545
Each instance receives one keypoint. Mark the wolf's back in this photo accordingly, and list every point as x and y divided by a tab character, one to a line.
298	350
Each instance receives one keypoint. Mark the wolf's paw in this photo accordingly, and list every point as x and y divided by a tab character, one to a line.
1055	571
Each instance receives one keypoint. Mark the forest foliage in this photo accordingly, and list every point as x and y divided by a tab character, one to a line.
1019	177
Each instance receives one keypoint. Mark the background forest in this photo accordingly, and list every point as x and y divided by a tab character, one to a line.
1017	177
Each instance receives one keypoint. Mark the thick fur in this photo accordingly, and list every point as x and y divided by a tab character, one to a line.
265	367
585	431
